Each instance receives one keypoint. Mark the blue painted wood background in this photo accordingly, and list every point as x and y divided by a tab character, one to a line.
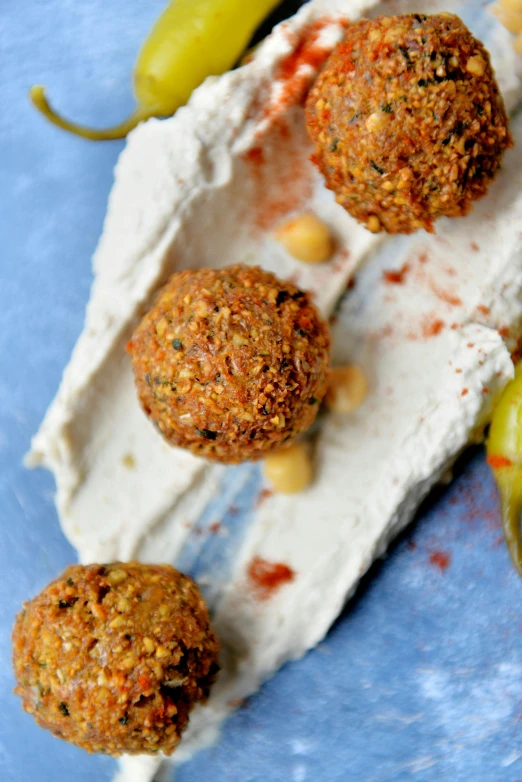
421	677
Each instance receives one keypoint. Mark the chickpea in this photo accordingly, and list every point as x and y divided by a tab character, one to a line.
377	121
511	5
347	389
289	470
306	238
476	65
373	224
511	19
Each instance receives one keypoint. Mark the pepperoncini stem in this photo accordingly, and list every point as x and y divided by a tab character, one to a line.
37	96
511	508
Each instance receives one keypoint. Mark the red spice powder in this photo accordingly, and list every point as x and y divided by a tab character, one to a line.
483	309
464	392
352	281
478	505
306	52
432	328
496	461
396	277
440	559
446	296
263	495
277	189
215	527
295	79
268	577
256	156
474	246
291	186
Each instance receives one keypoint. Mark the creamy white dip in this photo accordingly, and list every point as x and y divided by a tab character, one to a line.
205	189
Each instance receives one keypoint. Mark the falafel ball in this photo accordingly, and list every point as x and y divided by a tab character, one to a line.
113	657
231	363
408	121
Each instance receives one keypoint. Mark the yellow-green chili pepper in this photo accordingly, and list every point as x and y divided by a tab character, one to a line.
191	40
504	449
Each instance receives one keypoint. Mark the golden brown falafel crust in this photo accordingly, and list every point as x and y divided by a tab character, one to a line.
408	121
113	657
231	363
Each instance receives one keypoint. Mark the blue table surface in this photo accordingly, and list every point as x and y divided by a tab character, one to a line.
421	677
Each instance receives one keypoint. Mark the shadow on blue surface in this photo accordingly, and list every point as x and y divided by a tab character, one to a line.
420	677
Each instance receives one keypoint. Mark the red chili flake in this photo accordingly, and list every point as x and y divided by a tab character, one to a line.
440	559
396	277
474	246
496	461
268	577
464	392
504	331
215	527
458	371
483	309
485	390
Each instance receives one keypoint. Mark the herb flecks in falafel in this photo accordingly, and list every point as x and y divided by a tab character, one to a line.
254	352
408	121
